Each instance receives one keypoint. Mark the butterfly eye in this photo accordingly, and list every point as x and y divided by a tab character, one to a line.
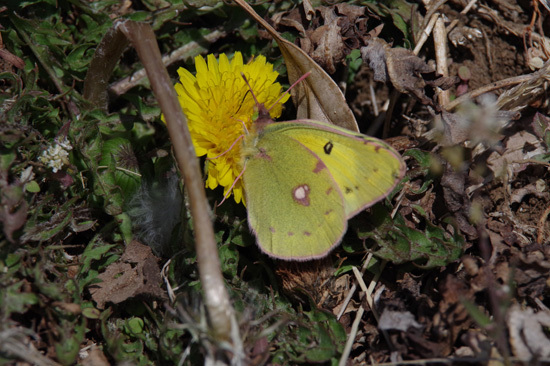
328	147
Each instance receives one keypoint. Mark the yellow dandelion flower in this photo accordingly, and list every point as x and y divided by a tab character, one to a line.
217	102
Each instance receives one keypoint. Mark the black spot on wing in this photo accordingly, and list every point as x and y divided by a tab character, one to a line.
328	147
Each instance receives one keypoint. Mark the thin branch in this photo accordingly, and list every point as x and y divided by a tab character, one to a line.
216	297
487	88
105	58
188	50
442	68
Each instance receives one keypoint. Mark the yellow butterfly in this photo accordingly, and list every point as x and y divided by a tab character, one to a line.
304	179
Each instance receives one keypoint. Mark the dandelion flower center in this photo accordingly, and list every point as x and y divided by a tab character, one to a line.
219	105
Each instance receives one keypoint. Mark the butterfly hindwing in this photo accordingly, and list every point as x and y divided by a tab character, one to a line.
294	205
365	169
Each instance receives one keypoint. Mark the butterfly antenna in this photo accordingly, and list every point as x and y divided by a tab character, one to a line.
232	186
231	147
290	88
263	112
250	88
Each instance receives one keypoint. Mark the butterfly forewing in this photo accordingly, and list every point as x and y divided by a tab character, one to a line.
365	169
294	205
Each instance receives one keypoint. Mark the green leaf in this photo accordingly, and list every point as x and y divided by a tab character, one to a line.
400	13
12	259
125	226
425	161
93	252
134	326
318	339
32	187
354	62
424	158
229	257
398	243
37	229
119	172
479	317
6	159
72	335
76	59
89	311
13	300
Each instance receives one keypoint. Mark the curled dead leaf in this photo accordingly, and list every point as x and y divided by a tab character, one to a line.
519	148
318	97
397	320
527	335
408	73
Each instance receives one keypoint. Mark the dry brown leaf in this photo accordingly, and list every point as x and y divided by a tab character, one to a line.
519	147
329	46
535	189
13	218
527	335
397	320
95	357
135	273
456	200
408	73
332	34
318	97
527	92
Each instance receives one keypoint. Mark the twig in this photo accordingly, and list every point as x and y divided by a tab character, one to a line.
373	99
440	44
367	290
101	67
425	33
13	343
540	228
355	326
433	9
220	310
394	96
487	88
351	338
464	11
368	297
192	48
354	287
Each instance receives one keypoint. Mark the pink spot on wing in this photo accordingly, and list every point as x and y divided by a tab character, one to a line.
376	148
300	194
307	233
272	229
290	233
328	212
262	154
329	191
319	166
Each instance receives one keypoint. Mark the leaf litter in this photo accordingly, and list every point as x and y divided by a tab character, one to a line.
461	263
